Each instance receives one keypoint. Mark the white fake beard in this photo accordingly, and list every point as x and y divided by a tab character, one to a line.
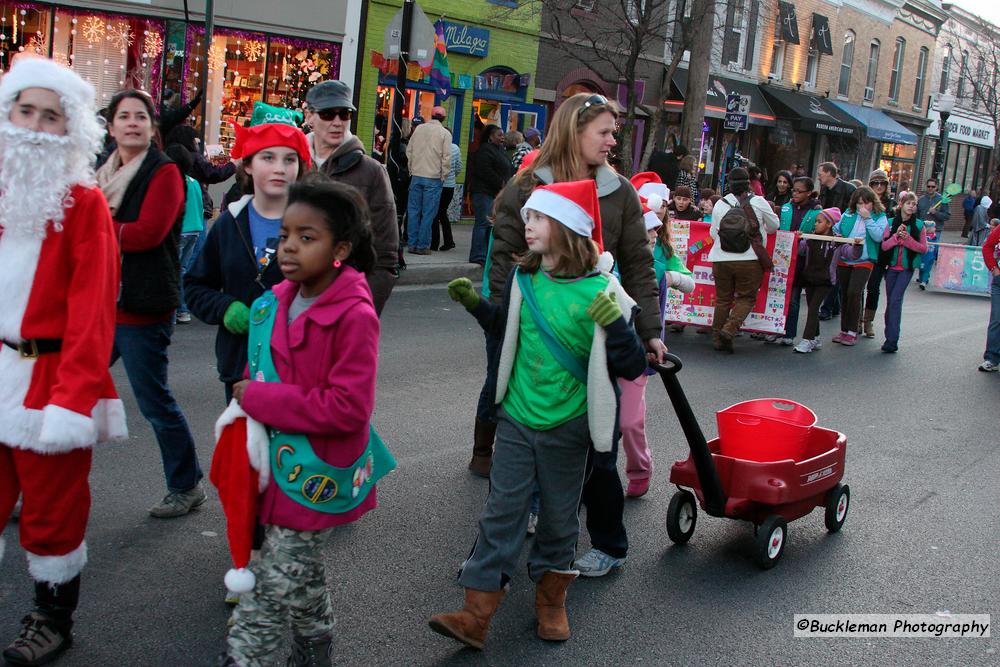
37	170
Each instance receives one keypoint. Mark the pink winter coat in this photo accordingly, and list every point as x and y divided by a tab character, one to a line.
327	361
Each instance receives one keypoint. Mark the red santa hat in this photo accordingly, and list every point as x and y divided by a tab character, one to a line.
649	214
574	205
240	472
250	140
649	185
528	158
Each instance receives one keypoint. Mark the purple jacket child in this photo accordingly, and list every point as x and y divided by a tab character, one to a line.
327	360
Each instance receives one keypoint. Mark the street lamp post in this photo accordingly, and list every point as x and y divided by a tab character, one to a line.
945	103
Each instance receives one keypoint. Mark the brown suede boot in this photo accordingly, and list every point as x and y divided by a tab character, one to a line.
550	605
471	624
867	320
482	448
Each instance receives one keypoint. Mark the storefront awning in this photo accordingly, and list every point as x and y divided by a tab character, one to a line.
811	113
715	100
877	125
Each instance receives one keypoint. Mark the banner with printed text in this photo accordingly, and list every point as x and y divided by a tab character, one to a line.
960	269
691	241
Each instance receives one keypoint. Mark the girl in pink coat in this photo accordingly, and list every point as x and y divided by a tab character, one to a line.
313	355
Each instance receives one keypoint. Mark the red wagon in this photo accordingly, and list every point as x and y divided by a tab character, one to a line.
768	493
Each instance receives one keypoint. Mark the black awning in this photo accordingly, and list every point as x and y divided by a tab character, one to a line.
789	22
821	40
715	97
811	113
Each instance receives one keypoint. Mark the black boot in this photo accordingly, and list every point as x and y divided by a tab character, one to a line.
482	448
47	631
311	651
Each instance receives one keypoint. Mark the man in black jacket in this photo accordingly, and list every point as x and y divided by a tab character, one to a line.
834	191
667	165
491	170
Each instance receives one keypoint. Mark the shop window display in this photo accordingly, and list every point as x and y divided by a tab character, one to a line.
246	67
22	28
899	162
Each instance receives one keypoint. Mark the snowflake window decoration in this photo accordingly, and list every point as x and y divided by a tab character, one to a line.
93	29
253	50
121	36
153	45
39	45
217	57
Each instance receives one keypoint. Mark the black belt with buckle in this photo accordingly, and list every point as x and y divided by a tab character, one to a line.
30	349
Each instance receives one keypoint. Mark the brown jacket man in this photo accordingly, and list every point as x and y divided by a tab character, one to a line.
622	229
349	164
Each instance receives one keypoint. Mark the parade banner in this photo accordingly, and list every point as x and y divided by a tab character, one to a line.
960	269
691	241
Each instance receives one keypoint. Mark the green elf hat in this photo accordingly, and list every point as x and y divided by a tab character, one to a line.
265	113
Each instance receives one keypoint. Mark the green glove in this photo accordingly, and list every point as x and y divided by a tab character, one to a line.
461	290
237	318
603	309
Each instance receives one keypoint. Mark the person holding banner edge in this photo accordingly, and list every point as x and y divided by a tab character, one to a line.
991	255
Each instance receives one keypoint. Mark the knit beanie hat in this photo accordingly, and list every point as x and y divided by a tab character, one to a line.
878	175
739	180
832	214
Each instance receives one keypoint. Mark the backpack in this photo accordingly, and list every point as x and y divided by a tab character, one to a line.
734	229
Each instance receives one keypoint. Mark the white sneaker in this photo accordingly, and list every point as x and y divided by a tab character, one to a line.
596	563
771	338
183	318
817	343
989	367
532	523
787	342
805	346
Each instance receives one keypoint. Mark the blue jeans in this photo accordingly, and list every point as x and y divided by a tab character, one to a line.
189	248
896	283
792	314
928	262
421	208
143	350
992	352
482	205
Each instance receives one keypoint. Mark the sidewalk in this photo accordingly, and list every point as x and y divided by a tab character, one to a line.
442	267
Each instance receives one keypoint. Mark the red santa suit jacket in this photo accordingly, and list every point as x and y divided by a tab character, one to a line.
64	287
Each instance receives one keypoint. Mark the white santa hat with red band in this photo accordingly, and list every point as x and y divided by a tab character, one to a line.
649	185
649	215
574	205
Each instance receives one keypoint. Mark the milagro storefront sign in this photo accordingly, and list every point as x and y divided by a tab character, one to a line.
964	129
467	39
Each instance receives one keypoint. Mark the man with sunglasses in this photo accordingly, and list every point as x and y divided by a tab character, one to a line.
930	209
340	155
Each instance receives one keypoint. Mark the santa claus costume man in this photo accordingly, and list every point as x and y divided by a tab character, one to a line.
59	280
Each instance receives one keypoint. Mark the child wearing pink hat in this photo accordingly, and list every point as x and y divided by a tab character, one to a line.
565	336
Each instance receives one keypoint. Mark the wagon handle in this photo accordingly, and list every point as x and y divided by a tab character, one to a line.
673	366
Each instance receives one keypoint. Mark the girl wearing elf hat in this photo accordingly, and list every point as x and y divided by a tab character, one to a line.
670	274
565	336
238	261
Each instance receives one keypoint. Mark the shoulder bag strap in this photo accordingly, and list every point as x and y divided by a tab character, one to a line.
573	364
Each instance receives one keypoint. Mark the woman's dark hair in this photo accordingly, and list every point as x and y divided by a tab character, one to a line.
739	181
184	135
345	213
181	157
753	171
787	175
805	182
132	94
488	132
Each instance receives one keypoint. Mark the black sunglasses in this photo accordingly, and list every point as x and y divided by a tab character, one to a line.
877	183
330	114
594	100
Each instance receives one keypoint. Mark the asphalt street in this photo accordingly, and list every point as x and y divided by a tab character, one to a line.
921	535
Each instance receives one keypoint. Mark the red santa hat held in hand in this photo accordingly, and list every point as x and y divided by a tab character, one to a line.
240	472
573	204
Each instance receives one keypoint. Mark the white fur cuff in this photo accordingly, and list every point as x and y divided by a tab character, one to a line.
64	429
258	442
57	570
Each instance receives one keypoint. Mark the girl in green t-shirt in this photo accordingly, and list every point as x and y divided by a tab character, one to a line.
566	336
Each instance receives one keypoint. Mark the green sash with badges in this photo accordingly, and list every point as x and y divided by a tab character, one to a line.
298	472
